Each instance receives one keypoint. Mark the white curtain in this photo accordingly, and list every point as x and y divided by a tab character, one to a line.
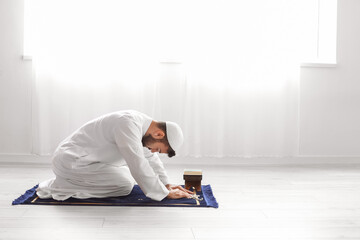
226	71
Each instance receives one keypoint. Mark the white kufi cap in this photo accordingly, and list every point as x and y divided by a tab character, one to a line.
174	135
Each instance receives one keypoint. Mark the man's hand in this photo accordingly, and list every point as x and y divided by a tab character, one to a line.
172	187
177	192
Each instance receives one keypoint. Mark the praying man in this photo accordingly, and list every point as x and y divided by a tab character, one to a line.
106	156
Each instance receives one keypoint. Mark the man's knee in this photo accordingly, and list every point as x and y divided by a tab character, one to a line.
126	187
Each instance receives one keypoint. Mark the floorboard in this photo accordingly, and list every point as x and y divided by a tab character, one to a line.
256	201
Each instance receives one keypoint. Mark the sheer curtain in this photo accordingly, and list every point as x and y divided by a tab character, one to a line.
226	71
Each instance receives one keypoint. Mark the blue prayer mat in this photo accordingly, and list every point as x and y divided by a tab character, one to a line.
135	198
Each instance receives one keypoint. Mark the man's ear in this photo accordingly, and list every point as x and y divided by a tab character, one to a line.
158	134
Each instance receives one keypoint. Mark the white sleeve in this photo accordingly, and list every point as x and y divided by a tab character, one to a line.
157	165
128	139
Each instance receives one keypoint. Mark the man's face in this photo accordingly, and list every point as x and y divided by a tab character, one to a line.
154	145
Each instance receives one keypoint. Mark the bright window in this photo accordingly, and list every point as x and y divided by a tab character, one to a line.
317	28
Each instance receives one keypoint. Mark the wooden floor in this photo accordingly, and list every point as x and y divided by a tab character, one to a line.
257	201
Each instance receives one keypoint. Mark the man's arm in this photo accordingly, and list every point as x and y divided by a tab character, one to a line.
157	165
128	139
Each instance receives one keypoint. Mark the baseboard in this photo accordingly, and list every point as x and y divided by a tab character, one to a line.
298	160
25	159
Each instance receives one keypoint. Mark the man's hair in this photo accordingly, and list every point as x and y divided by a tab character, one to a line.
162	126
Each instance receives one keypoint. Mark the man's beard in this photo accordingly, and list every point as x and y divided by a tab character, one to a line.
146	140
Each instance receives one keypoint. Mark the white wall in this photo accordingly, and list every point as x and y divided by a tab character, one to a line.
15	81
329	98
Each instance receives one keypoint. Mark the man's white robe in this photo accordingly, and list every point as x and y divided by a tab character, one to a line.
103	158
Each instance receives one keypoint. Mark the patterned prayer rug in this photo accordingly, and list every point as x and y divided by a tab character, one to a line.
135	198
